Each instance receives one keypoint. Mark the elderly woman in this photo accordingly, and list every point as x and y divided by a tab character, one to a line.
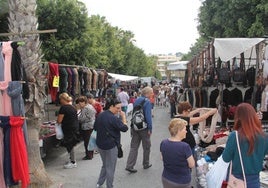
177	157
68	119
86	119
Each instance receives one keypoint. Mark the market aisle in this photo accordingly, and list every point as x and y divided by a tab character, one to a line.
86	174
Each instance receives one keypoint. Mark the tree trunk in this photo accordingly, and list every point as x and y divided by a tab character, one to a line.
22	18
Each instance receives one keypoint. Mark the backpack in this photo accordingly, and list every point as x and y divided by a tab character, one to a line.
138	120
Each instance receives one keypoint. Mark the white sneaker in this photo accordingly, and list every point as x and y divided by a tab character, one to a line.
70	165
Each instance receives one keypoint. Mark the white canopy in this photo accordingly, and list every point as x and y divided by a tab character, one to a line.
122	77
228	48
180	65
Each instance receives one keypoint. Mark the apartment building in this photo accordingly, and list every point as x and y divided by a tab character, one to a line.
163	62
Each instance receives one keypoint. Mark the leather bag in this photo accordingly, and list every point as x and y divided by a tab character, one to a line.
234	182
224	75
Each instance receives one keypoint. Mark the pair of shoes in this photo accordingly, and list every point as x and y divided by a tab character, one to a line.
131	170
98	185
70	165
147	166
87	158
96	152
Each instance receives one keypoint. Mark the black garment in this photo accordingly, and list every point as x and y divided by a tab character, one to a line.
248	95
63	80
70	126
18	72
189	136
236	97
226	99
86	136
213	97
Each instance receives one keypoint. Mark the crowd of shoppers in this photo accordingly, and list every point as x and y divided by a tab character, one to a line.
177	151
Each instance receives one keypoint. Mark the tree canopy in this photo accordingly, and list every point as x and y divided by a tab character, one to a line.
236	18
89	41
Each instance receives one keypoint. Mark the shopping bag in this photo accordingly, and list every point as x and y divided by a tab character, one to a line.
217	174
92	141
59	132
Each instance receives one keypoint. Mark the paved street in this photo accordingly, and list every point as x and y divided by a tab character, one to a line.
86	174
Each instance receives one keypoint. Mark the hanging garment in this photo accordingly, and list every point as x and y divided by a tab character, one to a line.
18	72
2	180
63	80
76	82
73	82
7	51
2	64
14	91
5	100
19	158
85	81
89	80
53	74
95	80
4	123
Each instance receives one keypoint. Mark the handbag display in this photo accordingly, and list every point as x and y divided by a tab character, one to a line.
234	182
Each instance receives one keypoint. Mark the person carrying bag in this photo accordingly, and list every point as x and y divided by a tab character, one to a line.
248	135
234	182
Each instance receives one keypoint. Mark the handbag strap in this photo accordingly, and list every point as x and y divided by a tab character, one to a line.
240	156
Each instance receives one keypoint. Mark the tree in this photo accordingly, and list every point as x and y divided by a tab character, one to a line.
22	18
238	18
241	18
69	44
3	17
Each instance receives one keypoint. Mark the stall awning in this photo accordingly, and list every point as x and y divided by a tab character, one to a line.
228	48
122	77
180	65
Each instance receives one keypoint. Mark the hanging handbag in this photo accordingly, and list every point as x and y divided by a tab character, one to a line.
234	182
239	72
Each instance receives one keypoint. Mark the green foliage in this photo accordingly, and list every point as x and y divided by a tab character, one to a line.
230	18
89	41
233	18
3	18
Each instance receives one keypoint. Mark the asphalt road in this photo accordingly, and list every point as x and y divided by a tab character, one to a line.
86	174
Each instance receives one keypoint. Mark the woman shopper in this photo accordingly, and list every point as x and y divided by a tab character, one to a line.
108	126
86	118
253	145
177	157
185	112
68	119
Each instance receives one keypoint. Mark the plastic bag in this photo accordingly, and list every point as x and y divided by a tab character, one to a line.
92	141
59	132
217	174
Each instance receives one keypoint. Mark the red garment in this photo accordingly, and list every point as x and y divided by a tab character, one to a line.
18	152
53	71
97	107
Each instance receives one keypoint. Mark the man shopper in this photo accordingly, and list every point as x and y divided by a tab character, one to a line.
143	136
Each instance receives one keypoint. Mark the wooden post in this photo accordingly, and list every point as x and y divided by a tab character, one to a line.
29	32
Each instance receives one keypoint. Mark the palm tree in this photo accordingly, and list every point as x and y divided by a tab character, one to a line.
22	18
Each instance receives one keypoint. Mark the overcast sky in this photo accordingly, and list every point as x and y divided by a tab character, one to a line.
159	26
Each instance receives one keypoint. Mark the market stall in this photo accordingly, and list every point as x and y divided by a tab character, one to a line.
226	73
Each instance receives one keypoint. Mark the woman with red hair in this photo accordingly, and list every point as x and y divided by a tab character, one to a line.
253	145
